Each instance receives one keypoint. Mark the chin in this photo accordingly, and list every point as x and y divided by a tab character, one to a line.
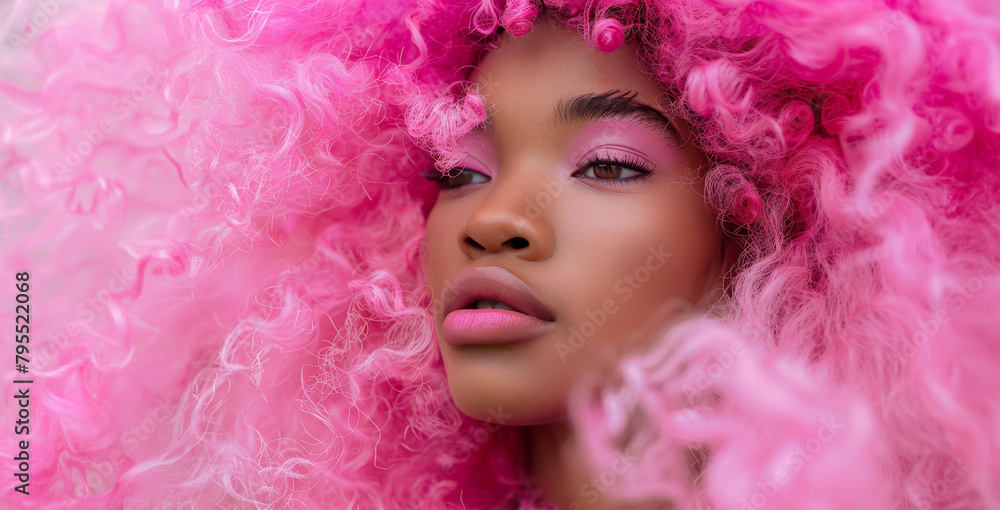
495	405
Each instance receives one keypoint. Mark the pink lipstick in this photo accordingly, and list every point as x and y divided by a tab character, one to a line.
519	314
463	327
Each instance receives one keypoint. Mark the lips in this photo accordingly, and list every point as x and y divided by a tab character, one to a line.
464	325
494	283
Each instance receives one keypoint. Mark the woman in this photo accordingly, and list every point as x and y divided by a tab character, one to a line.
587	251
782	301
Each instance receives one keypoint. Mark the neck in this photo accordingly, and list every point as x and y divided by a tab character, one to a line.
550	450
556	465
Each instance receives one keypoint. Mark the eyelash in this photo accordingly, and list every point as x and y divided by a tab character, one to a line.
630	162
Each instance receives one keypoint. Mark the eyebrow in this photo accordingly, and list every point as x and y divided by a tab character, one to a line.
611	105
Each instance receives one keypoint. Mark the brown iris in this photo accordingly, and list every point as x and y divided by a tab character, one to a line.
605	171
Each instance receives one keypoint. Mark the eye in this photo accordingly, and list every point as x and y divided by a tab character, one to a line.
614	170
608	171
457	177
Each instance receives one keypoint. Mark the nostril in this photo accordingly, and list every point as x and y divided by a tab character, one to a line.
515	243
518	242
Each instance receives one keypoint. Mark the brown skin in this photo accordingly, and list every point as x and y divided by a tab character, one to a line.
578	248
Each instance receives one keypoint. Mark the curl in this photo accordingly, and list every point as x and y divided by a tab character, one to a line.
518	16
717	85
732	195
608	34
486	17
797	121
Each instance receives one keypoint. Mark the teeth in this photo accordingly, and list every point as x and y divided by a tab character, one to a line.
483	304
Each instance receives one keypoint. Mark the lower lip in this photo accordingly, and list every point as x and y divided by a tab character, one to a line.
490	326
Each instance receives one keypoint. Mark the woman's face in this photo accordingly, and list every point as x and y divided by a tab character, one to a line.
540	220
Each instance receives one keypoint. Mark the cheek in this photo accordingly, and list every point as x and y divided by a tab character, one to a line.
680	256
439	235
631	264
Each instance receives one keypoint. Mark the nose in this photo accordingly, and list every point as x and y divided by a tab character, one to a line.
509	220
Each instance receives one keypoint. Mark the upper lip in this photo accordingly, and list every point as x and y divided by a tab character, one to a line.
493	282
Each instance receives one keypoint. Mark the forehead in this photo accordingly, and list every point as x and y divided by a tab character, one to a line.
527	76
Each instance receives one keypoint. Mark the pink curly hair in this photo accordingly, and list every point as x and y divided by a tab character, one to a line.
221	209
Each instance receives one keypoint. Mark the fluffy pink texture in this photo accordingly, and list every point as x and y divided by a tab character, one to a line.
221	208
722	397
